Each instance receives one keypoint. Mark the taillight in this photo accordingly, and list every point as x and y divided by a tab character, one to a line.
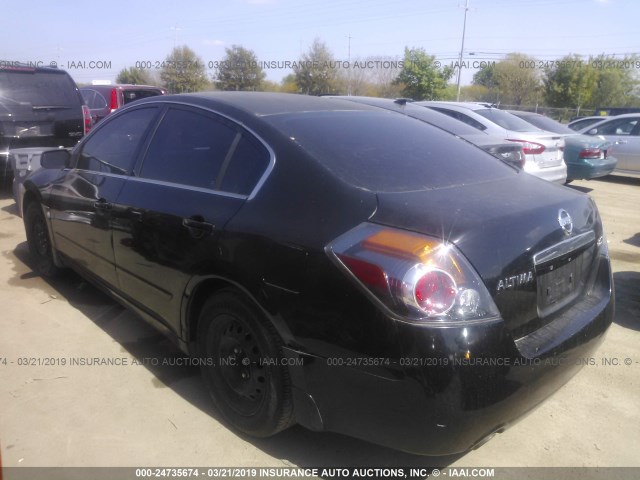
86	119
591	153
529	148
415	277
114	100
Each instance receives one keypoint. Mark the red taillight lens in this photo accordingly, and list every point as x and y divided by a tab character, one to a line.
529	148
415	277
591	153
86	118
435	292
114	100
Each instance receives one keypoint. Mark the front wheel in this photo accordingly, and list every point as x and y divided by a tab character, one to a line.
241	356
39	242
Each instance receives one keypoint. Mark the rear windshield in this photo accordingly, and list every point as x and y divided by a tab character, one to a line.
38	89
387	152
131	95
506	120
548	124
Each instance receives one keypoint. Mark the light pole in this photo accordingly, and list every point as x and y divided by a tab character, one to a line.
464	28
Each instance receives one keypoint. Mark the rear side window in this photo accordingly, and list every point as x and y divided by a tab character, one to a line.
622	126
249	162
188	148
462	117
114	146
38	89
388	153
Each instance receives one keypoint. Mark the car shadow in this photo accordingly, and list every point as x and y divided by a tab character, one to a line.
297	445
627	285
635	240
620	179
580	189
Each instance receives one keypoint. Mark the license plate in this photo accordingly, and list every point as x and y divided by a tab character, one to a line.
557	284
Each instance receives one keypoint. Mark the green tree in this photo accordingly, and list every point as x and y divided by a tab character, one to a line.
316	71
133	76
518	84
421	76
575	82
569	84
183	71
617	83
486	76
239	70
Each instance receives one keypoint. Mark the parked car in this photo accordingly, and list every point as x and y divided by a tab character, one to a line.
543	151
624	131
105	99
39	107
507	151
331	263
586	157
583	122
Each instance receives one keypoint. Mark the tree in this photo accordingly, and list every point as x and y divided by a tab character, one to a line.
316	71
516	81
133	76
421	76
183	71
239	70
590	83
486	76
568	84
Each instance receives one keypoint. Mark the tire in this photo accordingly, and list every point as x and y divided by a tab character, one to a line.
252	394
39	242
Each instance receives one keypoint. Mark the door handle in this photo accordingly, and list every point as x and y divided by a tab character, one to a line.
621	142
102	204
197	226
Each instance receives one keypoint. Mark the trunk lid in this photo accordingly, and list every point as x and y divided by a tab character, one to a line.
510	230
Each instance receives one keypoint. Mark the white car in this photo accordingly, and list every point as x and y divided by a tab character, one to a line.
543	150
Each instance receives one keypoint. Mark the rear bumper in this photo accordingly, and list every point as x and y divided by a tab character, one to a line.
557	174
454	387
587	169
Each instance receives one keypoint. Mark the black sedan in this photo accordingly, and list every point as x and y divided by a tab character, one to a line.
331	263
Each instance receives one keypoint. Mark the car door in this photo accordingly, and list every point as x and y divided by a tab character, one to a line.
82	202
198	170
624	133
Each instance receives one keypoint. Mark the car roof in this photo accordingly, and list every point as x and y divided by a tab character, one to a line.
261	104
21	67
469	105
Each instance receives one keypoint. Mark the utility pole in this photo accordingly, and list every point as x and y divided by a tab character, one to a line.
175	29
464	28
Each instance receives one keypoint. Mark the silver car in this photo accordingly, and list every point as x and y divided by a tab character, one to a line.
624	132
584	122
543	150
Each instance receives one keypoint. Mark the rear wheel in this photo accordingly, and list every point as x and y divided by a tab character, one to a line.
247	381
38	239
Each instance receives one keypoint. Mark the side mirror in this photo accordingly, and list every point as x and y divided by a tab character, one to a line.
593	131
55	159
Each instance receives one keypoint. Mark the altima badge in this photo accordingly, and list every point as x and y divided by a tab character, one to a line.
564	219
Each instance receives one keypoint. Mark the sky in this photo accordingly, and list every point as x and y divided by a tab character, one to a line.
95	40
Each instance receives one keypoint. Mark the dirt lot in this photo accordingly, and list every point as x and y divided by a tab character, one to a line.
133	415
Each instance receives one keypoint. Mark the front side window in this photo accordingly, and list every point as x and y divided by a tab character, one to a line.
189	148
114	146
